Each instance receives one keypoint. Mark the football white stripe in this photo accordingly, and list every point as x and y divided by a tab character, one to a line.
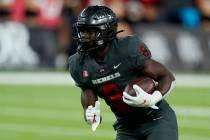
69	114
64	78
192	111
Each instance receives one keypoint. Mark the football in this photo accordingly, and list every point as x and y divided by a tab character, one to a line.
146	83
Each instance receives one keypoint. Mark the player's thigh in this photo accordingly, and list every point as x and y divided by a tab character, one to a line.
125	136
169	134
165	128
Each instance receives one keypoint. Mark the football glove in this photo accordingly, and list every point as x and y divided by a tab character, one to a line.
92	115
142	98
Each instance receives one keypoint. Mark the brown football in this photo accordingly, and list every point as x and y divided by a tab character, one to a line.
146	83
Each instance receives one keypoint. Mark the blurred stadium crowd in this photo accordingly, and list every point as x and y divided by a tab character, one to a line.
37	34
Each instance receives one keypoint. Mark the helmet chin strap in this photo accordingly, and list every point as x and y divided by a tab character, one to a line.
100	53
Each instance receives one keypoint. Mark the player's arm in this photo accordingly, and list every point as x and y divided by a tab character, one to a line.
165	79
159	73
140	60
88	97
91	107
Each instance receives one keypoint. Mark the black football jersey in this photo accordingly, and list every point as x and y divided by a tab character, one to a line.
109	78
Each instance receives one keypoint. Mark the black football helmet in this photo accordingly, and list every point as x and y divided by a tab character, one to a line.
101	22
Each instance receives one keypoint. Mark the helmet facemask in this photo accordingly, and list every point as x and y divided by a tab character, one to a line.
92	38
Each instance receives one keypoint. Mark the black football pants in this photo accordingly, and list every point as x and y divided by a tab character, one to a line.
161	128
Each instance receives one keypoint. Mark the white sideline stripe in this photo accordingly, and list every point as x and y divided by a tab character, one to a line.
51	130
70	114
64	78
41	78
192	80
192	111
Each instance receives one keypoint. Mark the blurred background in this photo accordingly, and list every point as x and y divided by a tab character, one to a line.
38	99
37	34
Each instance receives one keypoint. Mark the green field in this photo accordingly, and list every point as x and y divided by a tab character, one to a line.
55	113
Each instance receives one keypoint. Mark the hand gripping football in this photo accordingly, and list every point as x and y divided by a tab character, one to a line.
146	83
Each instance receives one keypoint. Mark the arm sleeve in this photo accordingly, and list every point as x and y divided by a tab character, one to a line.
137	53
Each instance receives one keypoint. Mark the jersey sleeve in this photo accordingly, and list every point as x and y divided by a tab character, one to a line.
137	53
74	71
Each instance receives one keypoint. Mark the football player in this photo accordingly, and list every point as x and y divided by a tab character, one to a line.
104	65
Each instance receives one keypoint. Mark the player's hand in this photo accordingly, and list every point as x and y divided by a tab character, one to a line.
92	115
142	98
